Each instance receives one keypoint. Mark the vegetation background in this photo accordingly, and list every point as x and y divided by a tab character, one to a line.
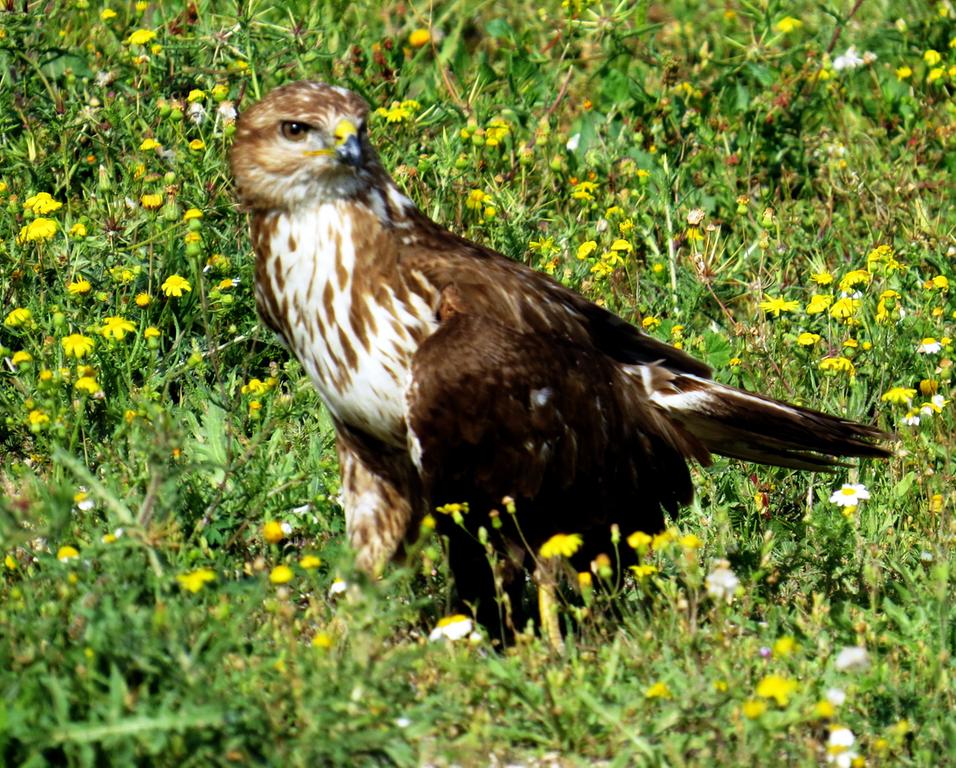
768	184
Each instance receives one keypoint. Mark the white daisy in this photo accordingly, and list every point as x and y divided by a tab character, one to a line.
850	495
453	627
722	582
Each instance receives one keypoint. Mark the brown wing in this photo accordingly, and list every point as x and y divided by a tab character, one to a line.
561	428
491	285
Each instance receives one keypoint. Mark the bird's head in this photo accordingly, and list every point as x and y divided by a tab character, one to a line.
304	142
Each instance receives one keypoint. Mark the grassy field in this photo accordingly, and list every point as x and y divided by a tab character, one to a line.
769	185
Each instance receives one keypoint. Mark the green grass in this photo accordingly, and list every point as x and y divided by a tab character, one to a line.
190	437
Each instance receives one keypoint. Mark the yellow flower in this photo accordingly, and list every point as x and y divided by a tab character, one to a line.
21	356
17	317
777	688
822	278
396	112
175	285
561	545
621	246
322	640
195	580
196	94
585	580
37	418
143	300
77	345
662	539
151	332
777	305
78	230
850	279
753	708
38	229
844	308
107	13
931	57
66	553
10	562
281	574
151	201
690	541
838	365
903	72
935	74
273	532
309	562
87	384
818	303
938	283
148	144
586	249
584	190
42	203
141	37
192	213
650	322
643	571
476	199
116	328
824	710
497	129
658	691
639	541
807	339
419	38
784	646
899	395
197	144
788	24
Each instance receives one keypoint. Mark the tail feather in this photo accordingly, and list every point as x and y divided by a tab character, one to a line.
742	425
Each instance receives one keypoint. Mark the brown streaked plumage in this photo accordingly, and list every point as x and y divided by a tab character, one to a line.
456	375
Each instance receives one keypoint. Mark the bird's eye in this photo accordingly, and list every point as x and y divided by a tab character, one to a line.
294	131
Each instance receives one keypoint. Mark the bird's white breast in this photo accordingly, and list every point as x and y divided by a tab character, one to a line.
349	342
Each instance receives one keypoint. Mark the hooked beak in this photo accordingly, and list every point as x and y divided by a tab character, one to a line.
348	148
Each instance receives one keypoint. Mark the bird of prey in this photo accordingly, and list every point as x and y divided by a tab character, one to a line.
455	375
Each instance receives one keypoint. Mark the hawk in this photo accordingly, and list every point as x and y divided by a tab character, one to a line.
456	375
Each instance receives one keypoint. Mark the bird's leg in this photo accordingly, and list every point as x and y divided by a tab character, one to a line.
546	582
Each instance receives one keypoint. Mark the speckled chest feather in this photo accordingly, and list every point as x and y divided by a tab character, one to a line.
329	282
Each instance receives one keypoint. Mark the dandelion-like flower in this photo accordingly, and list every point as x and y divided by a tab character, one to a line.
17	317
195	580
151	201
776	305
175	286
419	38
38	229
66	553
310	562
274	531
778	688
42	203
454	627
281	574
850	495
141	37
659	690
116	328
77	345
561	545
818	303
899	395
